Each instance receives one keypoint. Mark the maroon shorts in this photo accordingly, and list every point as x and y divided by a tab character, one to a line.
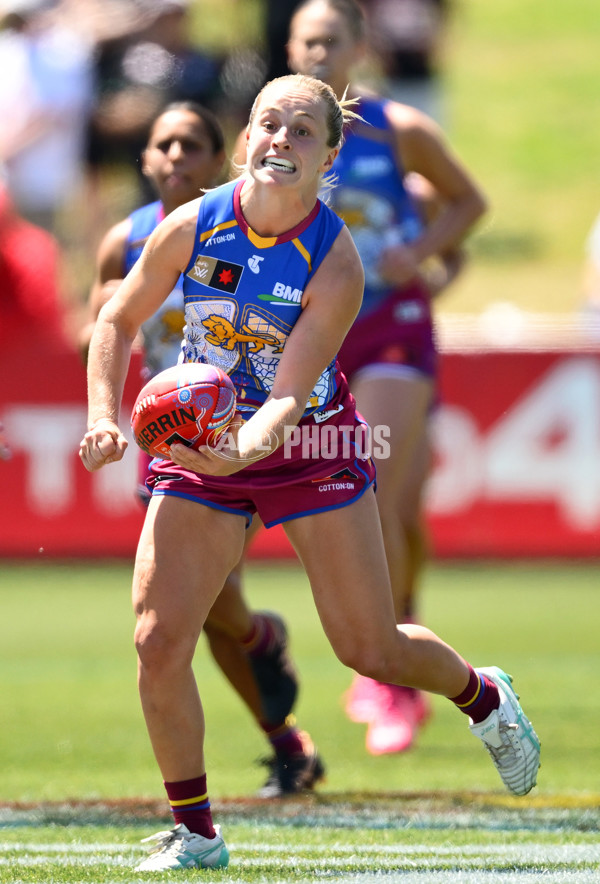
398	332
144	461
325	464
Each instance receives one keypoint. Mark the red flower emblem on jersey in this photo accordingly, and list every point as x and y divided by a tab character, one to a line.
226	277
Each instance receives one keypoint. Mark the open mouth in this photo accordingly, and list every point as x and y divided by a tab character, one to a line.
279	164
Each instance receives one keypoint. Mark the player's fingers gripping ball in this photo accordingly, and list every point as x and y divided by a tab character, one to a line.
191	404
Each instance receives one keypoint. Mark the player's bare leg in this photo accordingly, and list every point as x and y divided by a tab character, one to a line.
224	634
343	554
399	402
185	553
344	558
251	649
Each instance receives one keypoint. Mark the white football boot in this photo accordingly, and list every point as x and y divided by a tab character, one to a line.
181	849
509	737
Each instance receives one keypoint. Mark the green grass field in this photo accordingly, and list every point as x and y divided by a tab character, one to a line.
79	787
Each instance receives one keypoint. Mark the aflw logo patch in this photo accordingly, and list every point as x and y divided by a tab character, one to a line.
222	275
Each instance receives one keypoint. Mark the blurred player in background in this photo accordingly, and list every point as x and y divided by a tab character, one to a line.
287	318
408	202
184	155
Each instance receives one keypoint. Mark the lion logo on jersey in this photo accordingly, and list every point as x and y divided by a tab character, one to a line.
223	334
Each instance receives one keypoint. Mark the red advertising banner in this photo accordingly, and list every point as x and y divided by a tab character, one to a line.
517	443
517	460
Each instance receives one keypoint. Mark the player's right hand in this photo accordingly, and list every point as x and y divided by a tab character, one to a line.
104	443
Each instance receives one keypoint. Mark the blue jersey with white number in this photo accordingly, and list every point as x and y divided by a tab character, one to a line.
163	331
243	295
371	197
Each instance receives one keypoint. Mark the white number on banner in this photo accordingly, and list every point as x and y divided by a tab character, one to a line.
458	476
49	436
547	447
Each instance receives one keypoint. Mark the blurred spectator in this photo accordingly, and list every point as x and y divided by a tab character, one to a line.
277	17
140	73
45	95
405	36
31	301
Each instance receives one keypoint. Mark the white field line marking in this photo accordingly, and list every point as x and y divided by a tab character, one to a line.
330	856
66	847
438	877
580	876
523	852
459	877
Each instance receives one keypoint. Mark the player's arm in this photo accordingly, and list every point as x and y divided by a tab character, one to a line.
330	304
438	273
422	148
165	256
108	275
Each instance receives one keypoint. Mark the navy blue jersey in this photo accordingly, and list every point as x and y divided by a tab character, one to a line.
163	332
371	197
243	294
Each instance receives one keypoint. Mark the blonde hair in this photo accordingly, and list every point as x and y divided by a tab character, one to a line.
339	113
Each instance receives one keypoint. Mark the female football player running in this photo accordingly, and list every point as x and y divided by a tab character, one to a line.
306	294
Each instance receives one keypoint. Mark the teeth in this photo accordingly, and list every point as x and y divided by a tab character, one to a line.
278	163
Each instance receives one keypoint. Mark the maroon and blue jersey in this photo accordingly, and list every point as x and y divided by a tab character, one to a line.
163	331
370	195
395	325
243	295
142	222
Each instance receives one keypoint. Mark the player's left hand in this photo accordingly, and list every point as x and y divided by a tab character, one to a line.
206	460
222	459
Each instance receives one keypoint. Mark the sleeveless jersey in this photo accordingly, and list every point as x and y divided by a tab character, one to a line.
163	331
243	295
370	196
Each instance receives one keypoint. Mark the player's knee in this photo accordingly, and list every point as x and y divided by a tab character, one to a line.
233	582
371	661
160	648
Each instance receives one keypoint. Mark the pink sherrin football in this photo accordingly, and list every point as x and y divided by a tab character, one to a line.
191	403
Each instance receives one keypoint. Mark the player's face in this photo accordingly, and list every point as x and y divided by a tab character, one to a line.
180	159
287	140
321	45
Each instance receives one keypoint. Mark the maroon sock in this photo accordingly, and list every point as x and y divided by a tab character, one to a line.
479	698
190	805
284	738
261	637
